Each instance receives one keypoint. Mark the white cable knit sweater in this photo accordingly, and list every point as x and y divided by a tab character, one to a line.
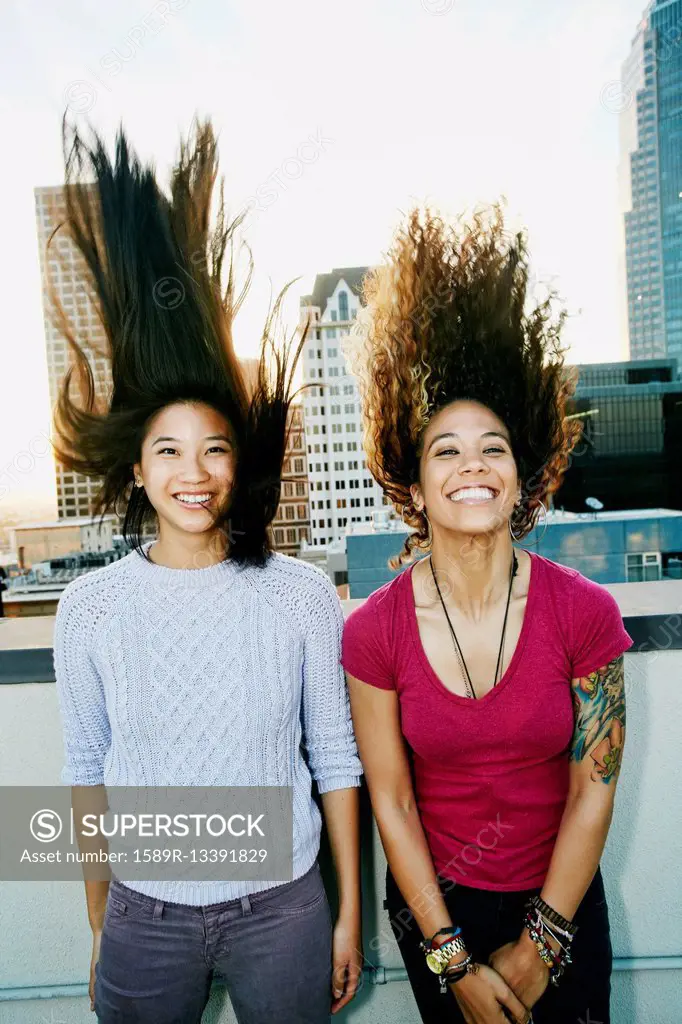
200	677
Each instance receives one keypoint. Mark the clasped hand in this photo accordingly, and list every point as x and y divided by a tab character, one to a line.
506	989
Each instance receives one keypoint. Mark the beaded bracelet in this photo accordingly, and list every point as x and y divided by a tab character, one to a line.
555	961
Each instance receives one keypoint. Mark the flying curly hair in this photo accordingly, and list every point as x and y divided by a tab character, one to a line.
447	318
158	271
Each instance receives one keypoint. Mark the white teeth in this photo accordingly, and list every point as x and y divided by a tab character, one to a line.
193	499
473	494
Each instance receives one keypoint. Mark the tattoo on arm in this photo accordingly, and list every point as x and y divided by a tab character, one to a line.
599	705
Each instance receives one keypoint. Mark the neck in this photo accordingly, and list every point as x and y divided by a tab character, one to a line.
474	569
176	549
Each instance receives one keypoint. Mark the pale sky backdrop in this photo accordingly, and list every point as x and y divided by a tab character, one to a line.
450	101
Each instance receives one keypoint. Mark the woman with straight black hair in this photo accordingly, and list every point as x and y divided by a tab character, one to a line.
202	658
486	681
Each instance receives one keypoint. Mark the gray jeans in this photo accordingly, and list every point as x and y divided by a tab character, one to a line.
273	950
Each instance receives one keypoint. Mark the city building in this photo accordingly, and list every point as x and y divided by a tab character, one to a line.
630	454
342	491
291	525
37	592
633	546
650	182
63	273
39	542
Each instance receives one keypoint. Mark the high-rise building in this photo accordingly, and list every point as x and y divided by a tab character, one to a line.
631	448
291	525
651	182
63	271
342	491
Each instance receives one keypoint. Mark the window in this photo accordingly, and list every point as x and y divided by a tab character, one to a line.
343	305
332	353
300	488
641	568
291	536
288	489
279	536
301	511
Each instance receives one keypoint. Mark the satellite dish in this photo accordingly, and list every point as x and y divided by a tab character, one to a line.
594	503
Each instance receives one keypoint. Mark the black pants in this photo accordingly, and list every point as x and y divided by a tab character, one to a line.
488	920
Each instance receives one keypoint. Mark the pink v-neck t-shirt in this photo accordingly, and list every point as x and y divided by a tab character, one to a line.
491	775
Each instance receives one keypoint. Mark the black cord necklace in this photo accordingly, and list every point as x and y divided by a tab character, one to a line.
468	685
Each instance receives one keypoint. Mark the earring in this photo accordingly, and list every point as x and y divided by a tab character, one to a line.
517	540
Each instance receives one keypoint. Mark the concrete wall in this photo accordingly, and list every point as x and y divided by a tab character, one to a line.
44	937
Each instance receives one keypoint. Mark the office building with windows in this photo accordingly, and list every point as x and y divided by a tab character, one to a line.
342	491
630	454
650	182
63	272
291	525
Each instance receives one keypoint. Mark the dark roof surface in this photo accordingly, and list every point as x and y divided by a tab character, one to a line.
325	284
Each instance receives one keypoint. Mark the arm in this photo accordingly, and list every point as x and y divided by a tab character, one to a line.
596	751
382	750
87	737
341	814
335	767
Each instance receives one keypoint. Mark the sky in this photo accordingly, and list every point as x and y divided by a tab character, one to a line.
340	118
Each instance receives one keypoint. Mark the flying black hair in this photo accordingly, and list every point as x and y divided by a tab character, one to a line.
159	271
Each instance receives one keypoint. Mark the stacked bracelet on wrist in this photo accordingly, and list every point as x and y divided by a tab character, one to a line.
451	975
439	955
542	921
561	924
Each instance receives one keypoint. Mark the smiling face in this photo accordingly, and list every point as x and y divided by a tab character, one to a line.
187	466
468	476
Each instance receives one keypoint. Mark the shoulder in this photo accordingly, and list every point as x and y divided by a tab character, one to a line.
297	588
379	608
584	593
94	595
292	576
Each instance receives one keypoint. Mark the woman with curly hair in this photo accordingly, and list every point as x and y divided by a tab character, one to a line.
202	658
486	681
